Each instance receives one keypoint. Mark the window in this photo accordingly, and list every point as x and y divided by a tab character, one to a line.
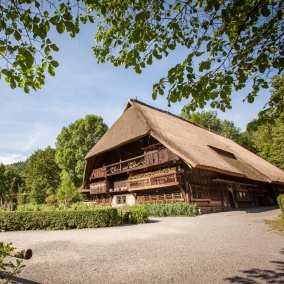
146	198
153	198
199	192
177	195
243	196
161	197
121	199
168	196
223	152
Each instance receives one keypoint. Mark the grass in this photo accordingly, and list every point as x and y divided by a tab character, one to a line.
277	224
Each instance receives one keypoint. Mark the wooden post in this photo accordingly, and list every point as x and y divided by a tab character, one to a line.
22	253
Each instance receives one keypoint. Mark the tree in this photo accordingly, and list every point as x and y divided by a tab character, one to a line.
275	107
3	189
230	43
67	191
269	140
73	143
211	121
26	50
42	175
15	184
226	43
208	119
227	128
11	185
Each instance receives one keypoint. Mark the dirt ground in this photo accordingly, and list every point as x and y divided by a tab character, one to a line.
227	247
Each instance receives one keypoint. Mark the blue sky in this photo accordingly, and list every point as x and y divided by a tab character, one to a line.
80	87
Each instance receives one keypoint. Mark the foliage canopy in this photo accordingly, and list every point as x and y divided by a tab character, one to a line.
226	44
41	175
26	47
73	143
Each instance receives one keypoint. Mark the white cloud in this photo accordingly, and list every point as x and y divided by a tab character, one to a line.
12	158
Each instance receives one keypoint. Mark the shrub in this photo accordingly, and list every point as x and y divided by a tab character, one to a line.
137	215
171	209
280	200
8	268
58	220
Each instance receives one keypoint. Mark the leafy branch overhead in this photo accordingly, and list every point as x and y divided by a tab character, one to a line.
26	49
226	44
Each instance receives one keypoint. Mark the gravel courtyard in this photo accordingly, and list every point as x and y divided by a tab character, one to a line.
227	247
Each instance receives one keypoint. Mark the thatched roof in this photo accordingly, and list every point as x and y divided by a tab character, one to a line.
198	147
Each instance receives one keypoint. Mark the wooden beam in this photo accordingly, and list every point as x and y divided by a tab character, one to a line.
231	181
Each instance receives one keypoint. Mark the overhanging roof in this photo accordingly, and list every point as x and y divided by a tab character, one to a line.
194	144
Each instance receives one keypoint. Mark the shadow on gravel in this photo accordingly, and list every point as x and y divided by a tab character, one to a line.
255	209
152	221
19	280
254	275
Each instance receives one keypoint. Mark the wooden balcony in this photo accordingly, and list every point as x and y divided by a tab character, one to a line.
98	173
121	185
159	180
98	188
148	159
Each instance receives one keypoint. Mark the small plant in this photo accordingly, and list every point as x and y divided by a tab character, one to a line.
8	269
138	215
171	209
280	200
29	207
81	206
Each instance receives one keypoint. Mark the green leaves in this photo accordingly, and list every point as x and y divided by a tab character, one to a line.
42	175
60	27
224	44
73	143
25	47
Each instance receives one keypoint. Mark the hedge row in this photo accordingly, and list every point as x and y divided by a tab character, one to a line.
58	220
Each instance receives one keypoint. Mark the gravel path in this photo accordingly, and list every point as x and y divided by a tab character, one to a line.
227	247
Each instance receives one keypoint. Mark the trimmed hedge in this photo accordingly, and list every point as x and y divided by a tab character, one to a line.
58	220
137	215
280	200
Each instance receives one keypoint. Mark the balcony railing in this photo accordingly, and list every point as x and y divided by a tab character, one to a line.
146	160
98	173
98	188
154	181
121	185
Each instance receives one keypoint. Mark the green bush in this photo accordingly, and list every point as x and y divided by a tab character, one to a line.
171	209
137	215
58	220
280	200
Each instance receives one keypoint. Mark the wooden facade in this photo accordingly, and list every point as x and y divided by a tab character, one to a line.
156	175
150	156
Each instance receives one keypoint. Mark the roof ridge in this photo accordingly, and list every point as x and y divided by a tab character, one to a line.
179	117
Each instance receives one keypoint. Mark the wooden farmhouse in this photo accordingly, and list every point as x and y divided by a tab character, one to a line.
150	155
